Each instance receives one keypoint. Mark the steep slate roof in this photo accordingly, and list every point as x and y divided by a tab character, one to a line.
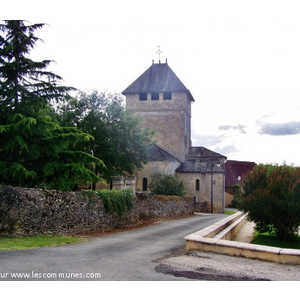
199	161
234	169
158	154
157	78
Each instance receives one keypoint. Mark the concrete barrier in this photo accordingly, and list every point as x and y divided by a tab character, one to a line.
218	237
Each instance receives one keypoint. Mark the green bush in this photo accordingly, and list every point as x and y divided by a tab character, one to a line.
117	201
237	195
166	184
272	199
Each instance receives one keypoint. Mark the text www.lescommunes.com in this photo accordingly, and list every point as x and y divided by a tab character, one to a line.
39	275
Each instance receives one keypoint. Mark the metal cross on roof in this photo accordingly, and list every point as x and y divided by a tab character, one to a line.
159	52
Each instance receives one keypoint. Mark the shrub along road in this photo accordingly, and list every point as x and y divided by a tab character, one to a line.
129	255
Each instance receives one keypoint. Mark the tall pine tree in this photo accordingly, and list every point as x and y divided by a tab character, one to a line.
35	150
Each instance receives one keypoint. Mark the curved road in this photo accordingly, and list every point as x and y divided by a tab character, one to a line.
124	256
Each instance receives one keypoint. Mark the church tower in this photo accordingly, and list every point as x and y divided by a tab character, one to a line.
164	105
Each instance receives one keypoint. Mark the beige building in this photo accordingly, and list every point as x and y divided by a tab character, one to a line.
164	105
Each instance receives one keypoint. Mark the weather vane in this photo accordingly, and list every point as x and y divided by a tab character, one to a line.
159	52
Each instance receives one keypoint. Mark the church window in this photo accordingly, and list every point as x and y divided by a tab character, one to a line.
145	184
155	96
197	185
143	96
167	95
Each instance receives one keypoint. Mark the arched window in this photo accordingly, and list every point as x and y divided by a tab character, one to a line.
145	184
197	185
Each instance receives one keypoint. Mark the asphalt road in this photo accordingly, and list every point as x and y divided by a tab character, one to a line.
126	256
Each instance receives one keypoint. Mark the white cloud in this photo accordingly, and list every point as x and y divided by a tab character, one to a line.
240	128
207	140
289	128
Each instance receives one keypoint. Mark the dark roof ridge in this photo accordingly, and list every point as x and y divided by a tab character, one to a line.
156	153
158	77
200	151
240	161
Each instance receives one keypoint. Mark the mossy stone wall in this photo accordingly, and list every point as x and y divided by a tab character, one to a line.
28	211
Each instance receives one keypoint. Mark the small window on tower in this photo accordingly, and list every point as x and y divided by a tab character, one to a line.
167	96
143	96
197	185
155	96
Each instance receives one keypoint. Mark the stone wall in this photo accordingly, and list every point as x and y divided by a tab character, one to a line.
164	206
25	211
228	198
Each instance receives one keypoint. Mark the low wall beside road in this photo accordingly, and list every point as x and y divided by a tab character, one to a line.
29	211
217	238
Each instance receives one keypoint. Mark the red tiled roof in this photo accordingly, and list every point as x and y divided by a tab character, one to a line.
236	171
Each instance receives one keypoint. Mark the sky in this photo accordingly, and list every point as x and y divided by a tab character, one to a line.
239	59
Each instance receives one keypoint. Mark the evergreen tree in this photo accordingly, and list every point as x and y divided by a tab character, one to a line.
26	85
35	149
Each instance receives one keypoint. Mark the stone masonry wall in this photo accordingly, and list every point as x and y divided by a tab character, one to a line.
170	120
164	206
25	211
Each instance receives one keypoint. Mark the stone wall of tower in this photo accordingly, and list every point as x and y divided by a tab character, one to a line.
210	191
170	120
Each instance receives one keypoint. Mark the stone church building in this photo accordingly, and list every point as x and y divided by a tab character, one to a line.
164	104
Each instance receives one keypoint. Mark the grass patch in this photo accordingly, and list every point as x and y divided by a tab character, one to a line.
20	243
269	240
229	212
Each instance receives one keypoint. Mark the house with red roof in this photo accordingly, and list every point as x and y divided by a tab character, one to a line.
235	173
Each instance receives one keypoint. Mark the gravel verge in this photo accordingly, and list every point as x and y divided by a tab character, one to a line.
208	266
217	267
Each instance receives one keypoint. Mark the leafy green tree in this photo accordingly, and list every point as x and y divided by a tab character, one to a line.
166	184
35	149
272	199
119	139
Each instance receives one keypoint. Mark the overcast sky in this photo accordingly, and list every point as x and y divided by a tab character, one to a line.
240	60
